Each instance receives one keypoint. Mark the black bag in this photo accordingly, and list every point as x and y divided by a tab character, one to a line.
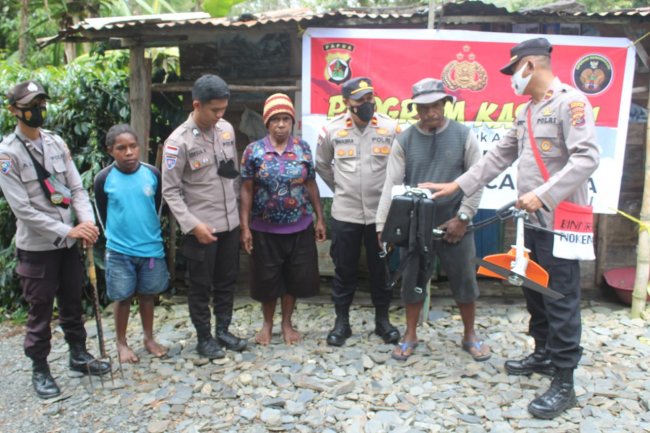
410	224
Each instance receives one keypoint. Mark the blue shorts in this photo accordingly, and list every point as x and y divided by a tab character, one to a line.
128	275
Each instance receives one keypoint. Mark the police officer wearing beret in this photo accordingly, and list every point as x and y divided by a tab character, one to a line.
352	155
45	193
563	128
200	183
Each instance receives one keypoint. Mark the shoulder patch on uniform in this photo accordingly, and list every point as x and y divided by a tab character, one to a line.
171	150
577	113
170	161
5	165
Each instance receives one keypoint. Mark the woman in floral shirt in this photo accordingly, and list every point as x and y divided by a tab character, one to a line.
279	198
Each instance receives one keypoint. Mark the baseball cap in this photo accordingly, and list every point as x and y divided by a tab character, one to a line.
25	92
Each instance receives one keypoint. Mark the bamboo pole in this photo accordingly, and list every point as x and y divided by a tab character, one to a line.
643	248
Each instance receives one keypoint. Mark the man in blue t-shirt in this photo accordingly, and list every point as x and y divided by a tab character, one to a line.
128	195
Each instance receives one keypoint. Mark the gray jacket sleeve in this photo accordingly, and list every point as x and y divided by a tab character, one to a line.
491	164
324	157
172	190
18	199
80	200
469	204
395	172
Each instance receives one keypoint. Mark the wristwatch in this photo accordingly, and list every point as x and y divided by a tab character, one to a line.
463	217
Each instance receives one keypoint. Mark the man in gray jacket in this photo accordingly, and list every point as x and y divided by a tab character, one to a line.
200	183
437	149
44	190
563	129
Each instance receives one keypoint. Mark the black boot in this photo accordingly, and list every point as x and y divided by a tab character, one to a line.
342	330
42	379
383	327
207	346
228	340
84	362
536	362
559	397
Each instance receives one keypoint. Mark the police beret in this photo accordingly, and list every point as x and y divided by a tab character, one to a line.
531	47
25	92
357	87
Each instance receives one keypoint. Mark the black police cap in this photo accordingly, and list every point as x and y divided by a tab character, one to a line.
531	47
357	87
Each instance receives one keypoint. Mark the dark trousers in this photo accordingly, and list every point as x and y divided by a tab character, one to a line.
345	251
555	323
213	271
45	275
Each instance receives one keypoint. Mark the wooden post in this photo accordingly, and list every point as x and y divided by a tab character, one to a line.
140	98
431	22
643	248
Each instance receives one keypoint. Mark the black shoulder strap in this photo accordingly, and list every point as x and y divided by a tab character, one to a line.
41	172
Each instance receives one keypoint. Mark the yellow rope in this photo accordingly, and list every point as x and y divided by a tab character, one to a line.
641	38
642	225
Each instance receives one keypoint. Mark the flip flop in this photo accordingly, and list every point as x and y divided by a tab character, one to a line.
477	345
404	346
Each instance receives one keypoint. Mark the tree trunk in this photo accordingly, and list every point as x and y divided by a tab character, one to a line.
23	37
643	248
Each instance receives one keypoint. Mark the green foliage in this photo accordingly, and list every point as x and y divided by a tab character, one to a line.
219	8
87	98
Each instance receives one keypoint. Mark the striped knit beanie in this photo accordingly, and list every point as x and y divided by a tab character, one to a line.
276	104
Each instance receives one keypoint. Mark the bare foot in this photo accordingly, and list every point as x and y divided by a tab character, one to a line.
264	336
126	354
156	349
291	336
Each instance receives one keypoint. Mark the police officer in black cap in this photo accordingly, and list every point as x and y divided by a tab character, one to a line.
351	158
44	190
563	132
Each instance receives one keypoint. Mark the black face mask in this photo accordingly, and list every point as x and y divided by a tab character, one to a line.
33	116
364	111
227	169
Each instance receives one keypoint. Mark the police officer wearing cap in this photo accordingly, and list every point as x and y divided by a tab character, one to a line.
563	128
437	149
352	154
44	190
200	183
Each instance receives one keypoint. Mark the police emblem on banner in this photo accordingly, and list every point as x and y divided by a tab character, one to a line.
593	74
5	166
465	72
337	61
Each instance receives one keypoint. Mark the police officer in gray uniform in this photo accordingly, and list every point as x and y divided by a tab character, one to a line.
44	190
200	183
352	155
563	128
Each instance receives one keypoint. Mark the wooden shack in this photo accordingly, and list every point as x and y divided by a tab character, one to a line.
260	55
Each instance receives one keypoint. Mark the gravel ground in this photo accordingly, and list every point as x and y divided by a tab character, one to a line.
312	387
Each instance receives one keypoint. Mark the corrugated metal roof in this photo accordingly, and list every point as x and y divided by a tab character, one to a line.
99	28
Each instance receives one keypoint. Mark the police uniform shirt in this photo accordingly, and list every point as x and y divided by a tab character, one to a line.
565	132
352	162
41	226
193	190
